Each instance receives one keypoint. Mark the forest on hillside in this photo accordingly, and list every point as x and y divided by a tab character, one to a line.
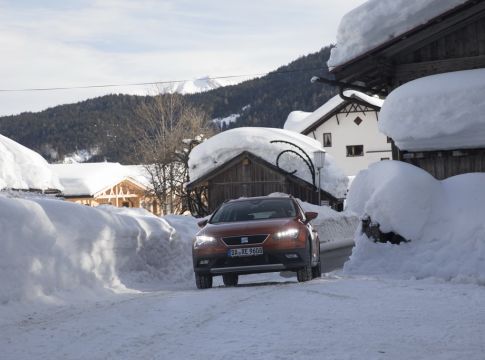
100	125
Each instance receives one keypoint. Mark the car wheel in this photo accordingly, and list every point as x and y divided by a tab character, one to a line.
203	281
304	274
230	279
317	270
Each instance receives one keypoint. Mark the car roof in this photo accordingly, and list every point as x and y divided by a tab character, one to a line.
260	198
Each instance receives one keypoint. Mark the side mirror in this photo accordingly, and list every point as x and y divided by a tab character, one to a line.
310	216
202	223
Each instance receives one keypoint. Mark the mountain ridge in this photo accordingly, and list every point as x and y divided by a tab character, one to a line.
98	123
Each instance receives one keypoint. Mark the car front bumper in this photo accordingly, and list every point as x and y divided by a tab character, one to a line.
270	261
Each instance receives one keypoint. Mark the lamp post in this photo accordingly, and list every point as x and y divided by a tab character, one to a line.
319	162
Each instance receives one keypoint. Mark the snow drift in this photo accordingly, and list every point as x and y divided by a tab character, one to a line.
24	169
50	245
222	147
379	21
442	219
437	112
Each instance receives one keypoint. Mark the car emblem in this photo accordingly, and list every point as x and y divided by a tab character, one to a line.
244	240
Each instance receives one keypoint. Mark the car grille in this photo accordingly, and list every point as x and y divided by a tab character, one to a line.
244	240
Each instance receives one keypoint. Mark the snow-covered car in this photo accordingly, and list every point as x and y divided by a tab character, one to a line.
256	235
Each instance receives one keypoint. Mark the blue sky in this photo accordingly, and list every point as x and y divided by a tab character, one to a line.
75	43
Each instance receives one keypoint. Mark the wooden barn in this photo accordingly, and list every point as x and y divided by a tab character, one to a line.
451	41
248	175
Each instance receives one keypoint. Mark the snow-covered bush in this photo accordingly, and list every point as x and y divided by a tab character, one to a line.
442	219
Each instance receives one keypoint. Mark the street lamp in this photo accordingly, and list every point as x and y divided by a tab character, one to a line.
319	162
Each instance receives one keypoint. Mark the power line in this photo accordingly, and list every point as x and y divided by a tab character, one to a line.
155	82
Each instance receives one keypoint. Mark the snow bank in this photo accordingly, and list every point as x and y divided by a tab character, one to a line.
378	21
437	112
24	169
222	147
298	122
50	245
443	220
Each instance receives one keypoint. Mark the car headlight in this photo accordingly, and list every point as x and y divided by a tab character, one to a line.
287	234
201	240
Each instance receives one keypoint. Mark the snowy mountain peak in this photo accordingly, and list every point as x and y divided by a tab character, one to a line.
193	86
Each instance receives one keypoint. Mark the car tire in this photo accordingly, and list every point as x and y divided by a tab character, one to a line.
304	274
230	279
203	281
317	270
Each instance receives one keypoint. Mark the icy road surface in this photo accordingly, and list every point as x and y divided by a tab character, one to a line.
272	318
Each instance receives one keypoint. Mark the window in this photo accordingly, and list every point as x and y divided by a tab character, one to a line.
389	140
383	159
327	140
358	120
355	150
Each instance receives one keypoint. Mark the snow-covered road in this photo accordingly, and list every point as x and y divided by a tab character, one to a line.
270	318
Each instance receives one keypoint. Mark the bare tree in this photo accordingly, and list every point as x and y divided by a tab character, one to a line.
167	131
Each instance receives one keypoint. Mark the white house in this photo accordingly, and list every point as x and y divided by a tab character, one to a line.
347	129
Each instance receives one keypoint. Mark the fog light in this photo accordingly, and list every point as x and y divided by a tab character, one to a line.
291	256
204	262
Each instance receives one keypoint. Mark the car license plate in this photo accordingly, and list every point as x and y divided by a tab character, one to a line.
254	251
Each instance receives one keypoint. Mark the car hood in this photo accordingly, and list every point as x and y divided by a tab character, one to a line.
255	227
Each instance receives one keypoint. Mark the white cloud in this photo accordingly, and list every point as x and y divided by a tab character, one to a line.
54	43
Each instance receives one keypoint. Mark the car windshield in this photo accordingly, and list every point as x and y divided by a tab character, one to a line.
255	209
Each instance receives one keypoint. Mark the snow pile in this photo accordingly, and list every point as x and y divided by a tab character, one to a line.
377	22
437	112
332	226
90	178
442	219
65	246
298	122
222	147
24	169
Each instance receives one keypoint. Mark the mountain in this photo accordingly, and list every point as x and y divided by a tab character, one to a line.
192	87
96	126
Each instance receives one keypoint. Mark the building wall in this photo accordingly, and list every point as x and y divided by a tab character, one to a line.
345	132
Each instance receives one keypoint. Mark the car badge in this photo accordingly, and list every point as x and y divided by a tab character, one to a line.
244	240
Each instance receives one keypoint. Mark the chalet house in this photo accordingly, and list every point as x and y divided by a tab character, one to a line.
432	39
94	184
347	129
247	162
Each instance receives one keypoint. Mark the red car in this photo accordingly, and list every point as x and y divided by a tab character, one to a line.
256	235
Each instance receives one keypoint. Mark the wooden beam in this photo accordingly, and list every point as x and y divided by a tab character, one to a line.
406	72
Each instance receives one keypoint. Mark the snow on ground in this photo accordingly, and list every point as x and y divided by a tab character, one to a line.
442	219
222	147
23	169
48	246
226	120
378	21
437	112
267	318
299	121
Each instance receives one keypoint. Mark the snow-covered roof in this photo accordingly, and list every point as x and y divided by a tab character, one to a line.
377	22
222	147
87	179
438	112
299	123
24	169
